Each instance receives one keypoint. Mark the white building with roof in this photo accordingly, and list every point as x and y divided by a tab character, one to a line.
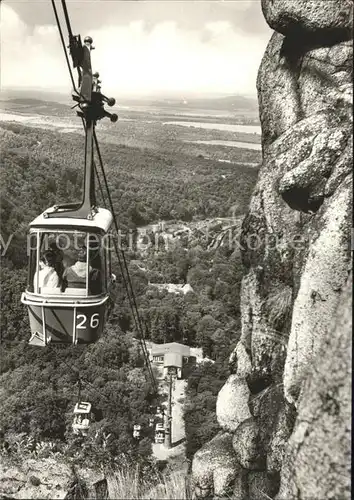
168	357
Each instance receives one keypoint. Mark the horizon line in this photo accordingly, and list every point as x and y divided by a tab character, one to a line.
150	95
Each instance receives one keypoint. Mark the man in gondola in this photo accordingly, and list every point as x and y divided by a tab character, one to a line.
95	276
59	255
76	275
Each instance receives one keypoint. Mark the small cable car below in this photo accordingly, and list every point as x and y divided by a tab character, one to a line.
159	412
159	433
151	422
82	417
136	431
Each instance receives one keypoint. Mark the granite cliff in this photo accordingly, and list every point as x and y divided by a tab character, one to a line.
285	408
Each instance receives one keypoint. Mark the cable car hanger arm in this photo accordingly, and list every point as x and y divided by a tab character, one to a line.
90	102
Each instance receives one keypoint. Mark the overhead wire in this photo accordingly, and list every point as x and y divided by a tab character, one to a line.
84	380
67	19
63	45
96	172
124	270
68	25
123	266
75	370
127	282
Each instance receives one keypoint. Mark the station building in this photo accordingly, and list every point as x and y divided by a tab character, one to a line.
170	357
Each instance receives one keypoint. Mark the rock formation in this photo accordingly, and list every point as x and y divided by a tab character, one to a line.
317	459
49	478
286	416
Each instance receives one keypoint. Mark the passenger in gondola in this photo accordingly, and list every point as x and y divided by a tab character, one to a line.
78	419
95	276
59	255
95	282
75	276
94	251
85	422
47	275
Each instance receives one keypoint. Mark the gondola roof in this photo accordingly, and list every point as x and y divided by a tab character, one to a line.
100	222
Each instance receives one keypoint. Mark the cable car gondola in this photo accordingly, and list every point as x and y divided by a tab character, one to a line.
71	308
70	279
159	433
136	431
82	417
68	294
159	412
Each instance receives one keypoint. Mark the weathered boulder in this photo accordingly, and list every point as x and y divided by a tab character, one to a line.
229	414
318	456
281	432
278	61
49	478
262	485
245	443
32	478
216	472
95	482
325	273
240	361
285	16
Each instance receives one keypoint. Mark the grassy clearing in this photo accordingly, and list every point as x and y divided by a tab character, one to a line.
125	484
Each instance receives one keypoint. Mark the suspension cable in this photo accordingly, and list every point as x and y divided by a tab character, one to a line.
127	281
82	379
75	370
70	32
63	45
91	388
67	19
99	185
96	171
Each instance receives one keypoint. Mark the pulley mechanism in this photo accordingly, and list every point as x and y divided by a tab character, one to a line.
90	101
93	110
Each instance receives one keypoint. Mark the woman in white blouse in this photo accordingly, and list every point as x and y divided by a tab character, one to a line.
47	275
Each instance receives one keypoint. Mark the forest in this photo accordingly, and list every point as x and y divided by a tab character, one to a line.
40	386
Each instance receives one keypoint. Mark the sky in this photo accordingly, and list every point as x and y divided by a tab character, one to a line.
183	48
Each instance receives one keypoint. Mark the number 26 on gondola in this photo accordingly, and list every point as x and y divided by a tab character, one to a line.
69	278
